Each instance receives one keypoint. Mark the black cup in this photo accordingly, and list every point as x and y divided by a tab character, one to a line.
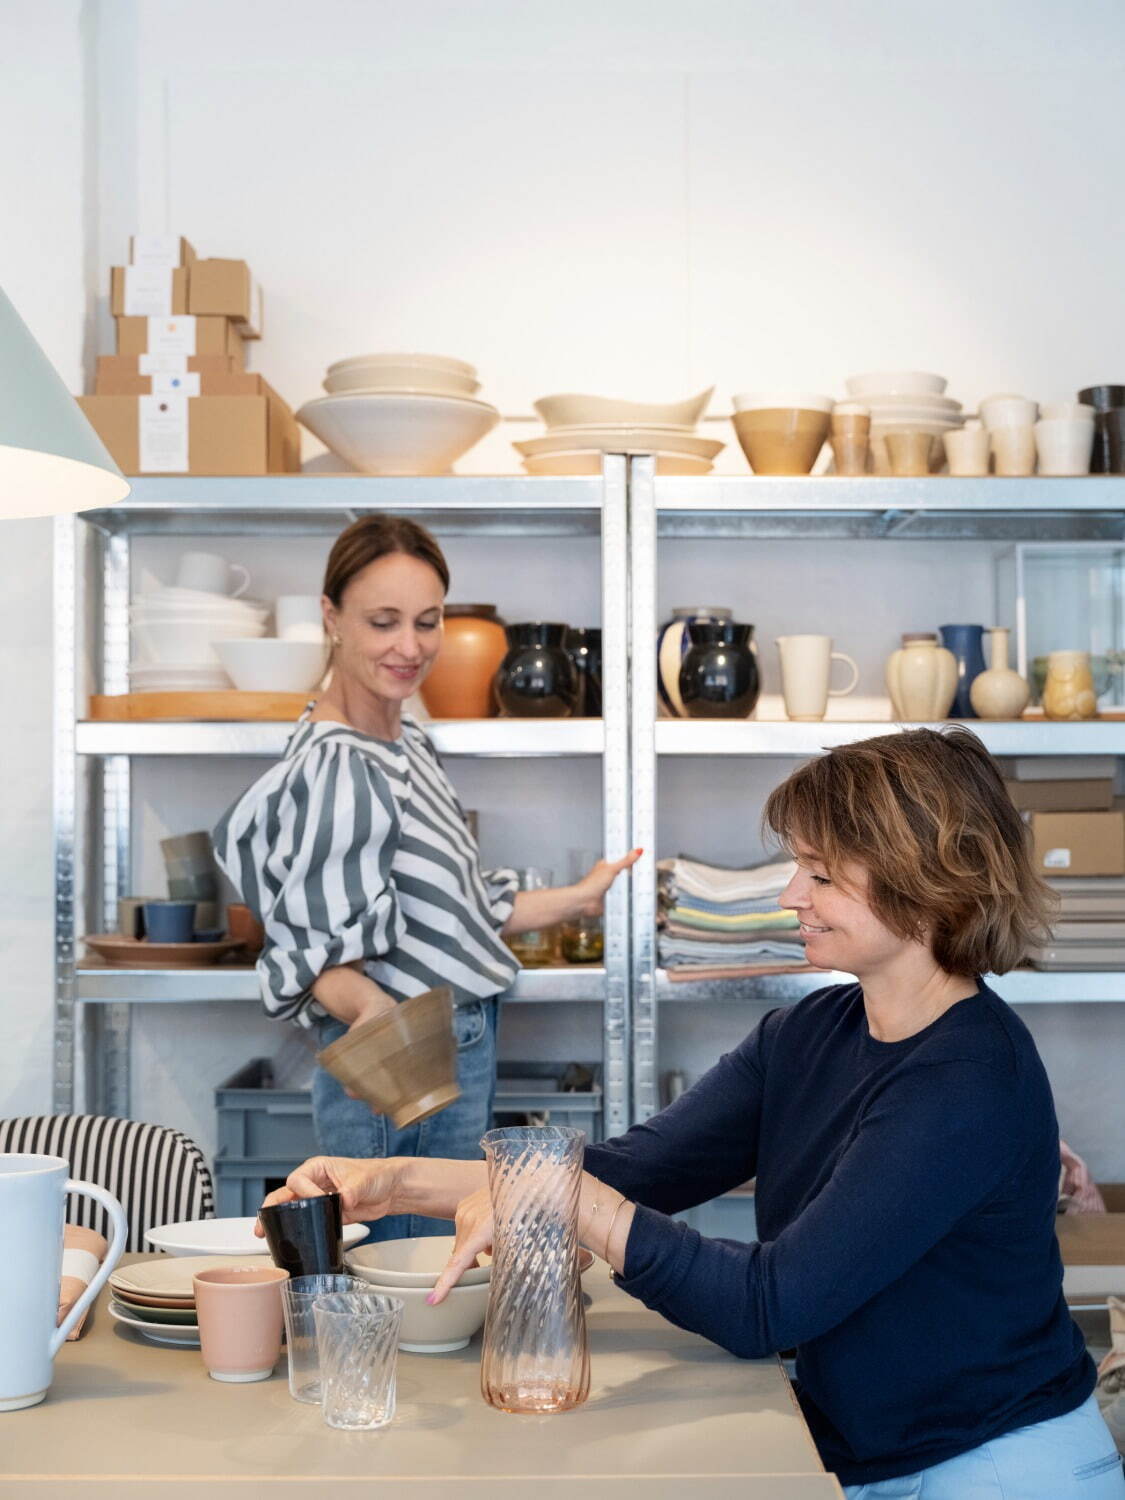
305	1235
1112	423
1104	399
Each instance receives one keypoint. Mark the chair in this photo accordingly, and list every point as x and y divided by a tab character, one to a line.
158	1175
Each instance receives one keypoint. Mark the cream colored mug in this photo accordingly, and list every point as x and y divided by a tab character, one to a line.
806	662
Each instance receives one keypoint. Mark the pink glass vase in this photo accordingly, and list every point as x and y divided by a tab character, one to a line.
535	1356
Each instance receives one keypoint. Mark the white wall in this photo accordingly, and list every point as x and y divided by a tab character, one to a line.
637	197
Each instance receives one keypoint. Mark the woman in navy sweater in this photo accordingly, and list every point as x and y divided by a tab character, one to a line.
904	1141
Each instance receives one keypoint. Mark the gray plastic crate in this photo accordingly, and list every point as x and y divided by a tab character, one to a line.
257	1120
242	1182
542	1088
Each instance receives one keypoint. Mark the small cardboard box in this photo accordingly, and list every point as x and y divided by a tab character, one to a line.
134	375
160	250
181	335
1079	843
227	289
143	291
1084	795
241	434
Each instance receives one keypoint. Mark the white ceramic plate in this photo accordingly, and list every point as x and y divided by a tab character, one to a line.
169	1334
613	439
589	461
570	409
171	1276
200	1237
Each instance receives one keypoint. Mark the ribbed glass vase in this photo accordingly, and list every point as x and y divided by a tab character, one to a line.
535	1356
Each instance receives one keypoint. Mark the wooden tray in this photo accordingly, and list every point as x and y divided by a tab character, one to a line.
139	953
276	707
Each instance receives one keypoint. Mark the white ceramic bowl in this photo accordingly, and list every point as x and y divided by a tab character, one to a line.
620	440
417	1261
587	461
896	382
186	643
782	401
223	1237
418	361
432	1330
401	380
273	666
380	433
572	410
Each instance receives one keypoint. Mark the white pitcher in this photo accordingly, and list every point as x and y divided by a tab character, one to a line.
33	1193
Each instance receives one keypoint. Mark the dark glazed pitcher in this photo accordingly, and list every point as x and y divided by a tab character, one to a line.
719	677
536	679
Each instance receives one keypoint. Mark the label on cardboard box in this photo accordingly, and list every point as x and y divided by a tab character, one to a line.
1056	859
156	250
162	364
187	384
171	335
148	291
162	434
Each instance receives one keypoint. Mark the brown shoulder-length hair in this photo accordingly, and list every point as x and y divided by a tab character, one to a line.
946	854
373	537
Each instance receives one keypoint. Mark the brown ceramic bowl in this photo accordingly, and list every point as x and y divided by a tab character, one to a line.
781	440
404	1063
245	928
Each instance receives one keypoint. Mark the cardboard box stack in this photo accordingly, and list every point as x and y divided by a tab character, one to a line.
176	397
1078	831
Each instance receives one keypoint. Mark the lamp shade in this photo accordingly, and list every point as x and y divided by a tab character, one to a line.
51	460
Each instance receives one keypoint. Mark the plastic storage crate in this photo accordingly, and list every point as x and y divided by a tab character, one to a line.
567	1093
263	1133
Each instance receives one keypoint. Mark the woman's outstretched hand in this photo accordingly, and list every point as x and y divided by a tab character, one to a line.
474	1236
597	881
366	1186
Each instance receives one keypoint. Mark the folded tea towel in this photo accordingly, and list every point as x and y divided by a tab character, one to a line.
83	1252
689	975
779	928
714	883
675	952
774	916
1078	1193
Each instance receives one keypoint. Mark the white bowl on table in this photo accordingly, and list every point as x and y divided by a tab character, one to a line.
416	1261
568	410
272	666
379	432
223	1237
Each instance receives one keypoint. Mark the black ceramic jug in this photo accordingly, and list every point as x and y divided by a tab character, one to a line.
584	647
719	675
536	680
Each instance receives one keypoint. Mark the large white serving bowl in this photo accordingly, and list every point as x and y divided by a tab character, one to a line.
896	383
432	1330
186	643
587	461
401	380
615	439
417	1261
782	401
381	433
223	1237
420	361
569	410
273	666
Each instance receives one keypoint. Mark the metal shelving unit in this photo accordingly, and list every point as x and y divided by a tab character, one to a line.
94	758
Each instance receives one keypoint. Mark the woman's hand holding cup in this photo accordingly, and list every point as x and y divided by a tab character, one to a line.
366	1187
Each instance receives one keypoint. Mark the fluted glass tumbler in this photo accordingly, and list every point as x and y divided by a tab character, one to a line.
357	1336
298	1295
535	1356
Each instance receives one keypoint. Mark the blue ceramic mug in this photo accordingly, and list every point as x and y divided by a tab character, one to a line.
170	921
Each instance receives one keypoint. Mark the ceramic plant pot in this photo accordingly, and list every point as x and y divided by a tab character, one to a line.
473	644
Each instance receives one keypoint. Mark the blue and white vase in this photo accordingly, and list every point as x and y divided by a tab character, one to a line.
672	646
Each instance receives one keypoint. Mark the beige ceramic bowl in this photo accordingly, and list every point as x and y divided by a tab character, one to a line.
402	380
417	1261
781	440
421	361
578	410
383	433
432	1330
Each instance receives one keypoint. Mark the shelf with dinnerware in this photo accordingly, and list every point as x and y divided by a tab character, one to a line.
1019	987
105	984
788	739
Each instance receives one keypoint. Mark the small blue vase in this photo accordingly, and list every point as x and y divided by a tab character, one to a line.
966	643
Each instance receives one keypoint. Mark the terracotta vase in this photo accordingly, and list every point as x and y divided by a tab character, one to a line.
999	693
459	684
921	679
1069	690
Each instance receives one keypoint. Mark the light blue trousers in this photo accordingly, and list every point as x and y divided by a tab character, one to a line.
1067	1458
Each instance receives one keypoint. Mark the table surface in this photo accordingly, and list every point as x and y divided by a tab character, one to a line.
124	1415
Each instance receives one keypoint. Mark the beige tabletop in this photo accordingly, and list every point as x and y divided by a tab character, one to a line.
665	1406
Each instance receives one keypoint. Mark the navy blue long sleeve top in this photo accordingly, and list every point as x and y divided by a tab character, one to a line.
906	1197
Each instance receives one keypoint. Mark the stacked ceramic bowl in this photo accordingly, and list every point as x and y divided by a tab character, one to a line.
905	401
173	632
410	1269
400	413
580	429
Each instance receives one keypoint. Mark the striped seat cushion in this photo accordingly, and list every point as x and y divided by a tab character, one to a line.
157	1175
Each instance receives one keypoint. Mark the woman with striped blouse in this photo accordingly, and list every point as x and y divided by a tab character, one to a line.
354	854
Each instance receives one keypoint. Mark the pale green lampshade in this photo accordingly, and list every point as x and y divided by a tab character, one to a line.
52	462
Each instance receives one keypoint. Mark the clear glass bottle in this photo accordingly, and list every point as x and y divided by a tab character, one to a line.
537	949
535	1356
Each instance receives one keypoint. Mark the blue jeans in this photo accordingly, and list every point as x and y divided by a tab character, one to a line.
348	1127
1067	1458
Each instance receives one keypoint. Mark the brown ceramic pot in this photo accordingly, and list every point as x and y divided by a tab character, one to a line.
784	440
459	684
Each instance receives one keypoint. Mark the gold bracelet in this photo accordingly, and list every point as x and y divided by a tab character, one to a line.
613	1220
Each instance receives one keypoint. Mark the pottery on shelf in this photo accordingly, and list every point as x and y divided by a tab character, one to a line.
921	679
584	647
536	679
672	647
999	693
473	644
1069	690
719	676
965	641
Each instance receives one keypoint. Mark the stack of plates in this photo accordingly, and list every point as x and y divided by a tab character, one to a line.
902	400
156	1298
580	429
173	631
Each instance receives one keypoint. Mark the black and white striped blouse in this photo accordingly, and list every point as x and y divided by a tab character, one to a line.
356	848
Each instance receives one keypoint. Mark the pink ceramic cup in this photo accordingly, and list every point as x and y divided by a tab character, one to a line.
240	1315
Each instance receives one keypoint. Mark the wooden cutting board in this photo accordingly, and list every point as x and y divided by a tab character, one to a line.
276	707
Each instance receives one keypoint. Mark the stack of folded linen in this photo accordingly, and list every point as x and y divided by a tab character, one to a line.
720	923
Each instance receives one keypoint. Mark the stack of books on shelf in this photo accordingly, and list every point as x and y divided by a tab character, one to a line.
1078	831
176	397
717	923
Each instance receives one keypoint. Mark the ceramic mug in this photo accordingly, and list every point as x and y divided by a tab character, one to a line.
806	662
968	450
240	1317
211	574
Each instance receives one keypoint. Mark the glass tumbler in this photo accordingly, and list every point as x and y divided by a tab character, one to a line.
357	1335
535	950
583	937
297	1297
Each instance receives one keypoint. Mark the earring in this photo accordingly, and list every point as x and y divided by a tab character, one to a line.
336	641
